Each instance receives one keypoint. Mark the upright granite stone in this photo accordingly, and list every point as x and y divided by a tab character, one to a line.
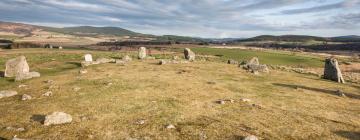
189	55
88	58
16	66
142	53
332	71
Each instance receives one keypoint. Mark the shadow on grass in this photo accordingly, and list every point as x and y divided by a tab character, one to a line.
348	135
38	118
326	91
78	64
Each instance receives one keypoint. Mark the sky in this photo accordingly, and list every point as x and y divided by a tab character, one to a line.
197	18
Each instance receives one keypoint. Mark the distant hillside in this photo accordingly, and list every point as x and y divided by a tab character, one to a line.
180	39
350	38
91	31
287	38
16	28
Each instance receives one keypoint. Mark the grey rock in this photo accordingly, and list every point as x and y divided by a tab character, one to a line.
142	53
231	61
120	62
332	71
83	71
170	126
251	137
57	118
47	94
127	58
26	76
254	61
189	55
26	97
16	66
7	93
162	62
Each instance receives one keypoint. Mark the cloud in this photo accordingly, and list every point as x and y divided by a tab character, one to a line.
339	5
206	18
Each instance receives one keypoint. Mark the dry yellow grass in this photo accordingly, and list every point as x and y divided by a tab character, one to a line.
287	105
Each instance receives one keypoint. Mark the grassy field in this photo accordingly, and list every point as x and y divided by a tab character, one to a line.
283	105
265	57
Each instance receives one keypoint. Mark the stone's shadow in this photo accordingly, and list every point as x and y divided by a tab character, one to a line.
1	138
348	135
78	64
326	91
38	118
114	57
2	74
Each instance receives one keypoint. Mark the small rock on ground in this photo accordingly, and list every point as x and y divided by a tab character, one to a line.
49	93
251	137
57	118
26	97
140	122
170	126
7	93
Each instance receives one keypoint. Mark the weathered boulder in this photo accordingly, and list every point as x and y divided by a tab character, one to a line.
127	58
16	66
142	53
231	61
26	97
254	61
88	58
120	62
251	137
162	62
7	93
189	55
83	71
332	71
25	76
57	118
256	68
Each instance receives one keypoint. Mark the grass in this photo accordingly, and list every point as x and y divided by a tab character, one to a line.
180	94
265	57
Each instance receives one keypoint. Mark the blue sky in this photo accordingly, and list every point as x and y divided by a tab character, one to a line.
201	18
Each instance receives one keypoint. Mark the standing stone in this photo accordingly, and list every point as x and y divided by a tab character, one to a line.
142	53
189	55
16	66
60	47
57	118
88	58
332	71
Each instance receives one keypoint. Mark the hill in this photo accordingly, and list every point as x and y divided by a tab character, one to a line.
91	31
287	38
